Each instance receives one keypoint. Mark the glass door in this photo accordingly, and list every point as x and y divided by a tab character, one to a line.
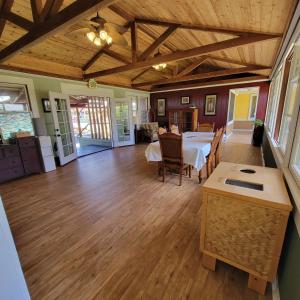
63	127
122	122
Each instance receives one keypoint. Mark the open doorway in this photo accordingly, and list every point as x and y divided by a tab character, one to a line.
242	109
92	123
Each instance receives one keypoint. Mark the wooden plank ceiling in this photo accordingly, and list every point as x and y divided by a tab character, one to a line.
199	40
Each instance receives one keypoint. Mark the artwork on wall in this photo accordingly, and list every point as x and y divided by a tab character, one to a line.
210	105
185	100
161	107
46	105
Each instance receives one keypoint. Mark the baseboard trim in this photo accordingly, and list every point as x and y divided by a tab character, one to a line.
275	290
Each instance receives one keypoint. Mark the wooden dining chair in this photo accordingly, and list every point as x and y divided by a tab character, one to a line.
172	155
174	129
206	127
210	159
161	130
218	156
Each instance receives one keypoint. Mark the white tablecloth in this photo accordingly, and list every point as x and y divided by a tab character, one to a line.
196	146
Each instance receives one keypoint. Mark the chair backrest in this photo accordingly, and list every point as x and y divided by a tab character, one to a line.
206	127
216	141
174	129
162	130
171	148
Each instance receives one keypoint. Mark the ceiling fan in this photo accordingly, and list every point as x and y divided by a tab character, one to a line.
100	32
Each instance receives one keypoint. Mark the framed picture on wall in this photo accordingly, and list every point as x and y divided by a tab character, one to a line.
161	107
46	105
185	100
210	105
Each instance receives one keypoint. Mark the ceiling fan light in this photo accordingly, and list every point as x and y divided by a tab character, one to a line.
97	41
103	34
109	40
91	35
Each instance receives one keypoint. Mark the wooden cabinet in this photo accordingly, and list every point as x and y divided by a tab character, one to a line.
20	159
186	119
243	220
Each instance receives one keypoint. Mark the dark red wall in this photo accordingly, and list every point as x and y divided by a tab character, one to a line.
197	97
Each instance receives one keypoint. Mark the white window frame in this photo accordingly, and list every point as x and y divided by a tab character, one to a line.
283	159
255	111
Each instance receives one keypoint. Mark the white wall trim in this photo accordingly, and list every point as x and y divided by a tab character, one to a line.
75	89
275	289
208	85
294	188
30	89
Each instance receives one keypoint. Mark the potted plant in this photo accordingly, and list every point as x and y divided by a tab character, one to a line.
258	133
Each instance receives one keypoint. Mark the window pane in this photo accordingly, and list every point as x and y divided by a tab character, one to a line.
274	97
13	97
253	107
290	101
295	157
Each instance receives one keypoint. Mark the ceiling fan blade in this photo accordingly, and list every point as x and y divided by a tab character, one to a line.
118	28
116	36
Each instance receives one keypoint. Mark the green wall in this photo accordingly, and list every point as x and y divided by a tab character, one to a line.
44	84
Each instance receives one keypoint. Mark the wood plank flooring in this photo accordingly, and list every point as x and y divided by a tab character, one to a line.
106	227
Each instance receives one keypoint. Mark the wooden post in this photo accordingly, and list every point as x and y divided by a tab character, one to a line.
90	118
78	121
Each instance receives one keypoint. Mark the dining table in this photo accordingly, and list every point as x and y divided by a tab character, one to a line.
195	149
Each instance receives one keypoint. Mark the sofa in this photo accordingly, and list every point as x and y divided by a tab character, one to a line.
150	131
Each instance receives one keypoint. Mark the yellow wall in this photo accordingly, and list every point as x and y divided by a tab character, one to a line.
242	106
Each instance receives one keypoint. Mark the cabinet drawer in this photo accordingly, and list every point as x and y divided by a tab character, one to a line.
11	151
29	153
10	162
26	142
12	173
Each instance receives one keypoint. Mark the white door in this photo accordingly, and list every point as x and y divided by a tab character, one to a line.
123	131
63	127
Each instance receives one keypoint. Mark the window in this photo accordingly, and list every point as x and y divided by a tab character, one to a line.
295	157
252	110
285	77
15	112
273	102
290	101
134	105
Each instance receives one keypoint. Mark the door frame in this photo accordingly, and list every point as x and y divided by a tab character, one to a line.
57	134
114	125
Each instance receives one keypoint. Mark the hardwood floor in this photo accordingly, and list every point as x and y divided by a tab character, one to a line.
106	227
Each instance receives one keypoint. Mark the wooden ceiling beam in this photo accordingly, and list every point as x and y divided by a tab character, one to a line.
192	66
140	74
6	6
230	61
17	20
198	27
55	7
211	83
134	45
69	15
160	40
36	8
129	18
184	54
94	59
116	56
46	10
51	8
201	76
